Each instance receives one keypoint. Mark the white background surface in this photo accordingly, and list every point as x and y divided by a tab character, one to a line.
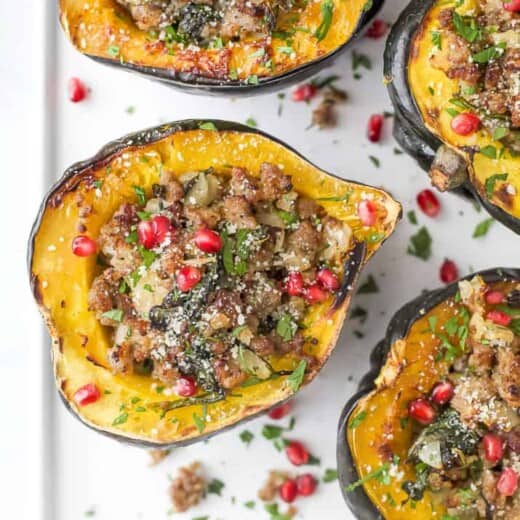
52	468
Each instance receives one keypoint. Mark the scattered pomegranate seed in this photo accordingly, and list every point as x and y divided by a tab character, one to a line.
145	234
294	284
493	447
512	5
507	482
155	231
77	90
188	277
428	203
289	490
304	92
315	294
375	127
328	280
366	211
208	241
306	484
377	29
499	317
297	453
185	386
279	412
83	246
494	297
442	393
465	123
87	394
448	272
422	411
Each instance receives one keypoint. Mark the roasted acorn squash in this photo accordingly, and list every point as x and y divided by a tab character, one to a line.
130	407
427	95
305	37
376	428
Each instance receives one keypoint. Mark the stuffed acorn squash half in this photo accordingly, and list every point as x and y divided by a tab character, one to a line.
435	430
453	72
196	274
218	46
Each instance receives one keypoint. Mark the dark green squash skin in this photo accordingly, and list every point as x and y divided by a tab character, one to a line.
409	128
82	169
193	84
357	500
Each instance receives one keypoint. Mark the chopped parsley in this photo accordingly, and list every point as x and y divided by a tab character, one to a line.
141	195
246	437
215	487
208	126
286	327
296	378
357	420
120	419
370	286
330	475
327	11
491	182
114	314
482	228
420	244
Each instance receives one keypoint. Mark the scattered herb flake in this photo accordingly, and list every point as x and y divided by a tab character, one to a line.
420	244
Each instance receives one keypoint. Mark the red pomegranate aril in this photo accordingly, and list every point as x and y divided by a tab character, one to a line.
442	393
294	284
448	272
465	123
289	490
507	482
328	280
377	29
279	412
162	229
185	386
494	297
188	277
375	127
145	234
512	6
493	448
77	90
499	317
87	394
428	203
297	453
208	241
367	213
422	411
83	246
306	484
314	293
304	92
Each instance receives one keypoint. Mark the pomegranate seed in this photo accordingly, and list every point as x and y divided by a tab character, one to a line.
297	453
375	127
428	203
494	297
499	317
315	294
162	229
83	246
422	411
304	92
366	211
328	280
294	284
279	412
87	394
145	234
289	490
377	29
465	123
512	5
185	386
306	484
493	447
188	277
208	241
448	272
442	393
507	482
77	90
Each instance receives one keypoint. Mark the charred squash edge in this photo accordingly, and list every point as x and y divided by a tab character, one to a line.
409	128
206	86
398	328
77	172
